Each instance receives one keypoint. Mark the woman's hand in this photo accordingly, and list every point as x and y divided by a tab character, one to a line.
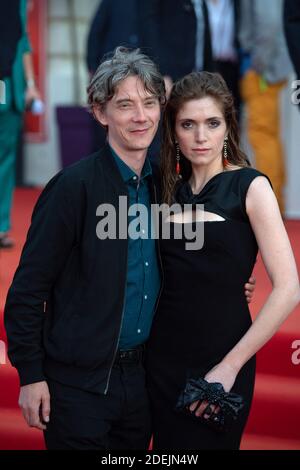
222	373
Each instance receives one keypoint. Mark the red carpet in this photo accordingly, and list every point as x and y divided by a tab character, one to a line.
275	415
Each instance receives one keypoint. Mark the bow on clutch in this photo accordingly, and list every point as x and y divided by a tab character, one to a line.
199	389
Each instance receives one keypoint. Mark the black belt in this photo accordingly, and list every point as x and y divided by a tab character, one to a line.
130	356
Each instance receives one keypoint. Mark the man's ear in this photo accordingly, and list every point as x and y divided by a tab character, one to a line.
100	115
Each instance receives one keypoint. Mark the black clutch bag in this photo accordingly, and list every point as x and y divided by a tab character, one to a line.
230	404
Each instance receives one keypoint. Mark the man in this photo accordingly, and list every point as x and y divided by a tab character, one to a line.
177	36
80	307
109	30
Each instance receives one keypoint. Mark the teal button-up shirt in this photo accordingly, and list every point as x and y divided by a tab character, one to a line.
143	274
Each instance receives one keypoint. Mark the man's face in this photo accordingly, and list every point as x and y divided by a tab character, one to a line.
132	117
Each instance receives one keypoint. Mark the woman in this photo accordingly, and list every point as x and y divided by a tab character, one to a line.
203	326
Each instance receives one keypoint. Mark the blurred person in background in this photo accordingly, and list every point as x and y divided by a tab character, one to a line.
115	23
224	19
292	32
16	70
177	36
266	67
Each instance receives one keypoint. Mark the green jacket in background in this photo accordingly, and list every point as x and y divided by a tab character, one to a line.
15	84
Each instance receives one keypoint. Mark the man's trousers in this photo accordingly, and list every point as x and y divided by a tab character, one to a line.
85	420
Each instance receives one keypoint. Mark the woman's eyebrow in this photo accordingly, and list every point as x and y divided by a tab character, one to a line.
214	117
207	119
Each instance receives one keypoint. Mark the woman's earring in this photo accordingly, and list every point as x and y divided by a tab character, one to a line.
225	156
177	160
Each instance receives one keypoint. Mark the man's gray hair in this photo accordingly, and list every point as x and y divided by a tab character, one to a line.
122	64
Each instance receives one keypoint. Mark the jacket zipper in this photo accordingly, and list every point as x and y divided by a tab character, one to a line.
160	261
122	316
116	349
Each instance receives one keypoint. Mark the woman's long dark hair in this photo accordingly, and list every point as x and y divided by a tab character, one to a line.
193	86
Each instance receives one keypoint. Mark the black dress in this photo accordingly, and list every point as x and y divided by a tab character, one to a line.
202	312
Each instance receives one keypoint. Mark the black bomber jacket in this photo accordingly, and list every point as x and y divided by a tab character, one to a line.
64	308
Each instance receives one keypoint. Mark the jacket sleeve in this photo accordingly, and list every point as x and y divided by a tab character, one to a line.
25	46
48	245
96	36
292	32
150	17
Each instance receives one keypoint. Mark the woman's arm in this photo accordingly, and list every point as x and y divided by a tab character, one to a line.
264	215
278	258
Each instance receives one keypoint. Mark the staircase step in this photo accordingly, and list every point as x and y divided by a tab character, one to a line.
261	442
276	407
15	434
9	390
278	356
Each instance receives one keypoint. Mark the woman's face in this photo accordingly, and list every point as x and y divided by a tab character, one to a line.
200	130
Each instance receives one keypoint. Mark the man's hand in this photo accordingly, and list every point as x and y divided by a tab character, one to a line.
34	401
249	288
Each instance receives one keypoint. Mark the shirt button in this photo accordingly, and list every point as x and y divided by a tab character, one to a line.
134	178
146	297
138	330
147	264
143	231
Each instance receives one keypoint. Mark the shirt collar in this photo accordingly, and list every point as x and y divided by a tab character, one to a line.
127	173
